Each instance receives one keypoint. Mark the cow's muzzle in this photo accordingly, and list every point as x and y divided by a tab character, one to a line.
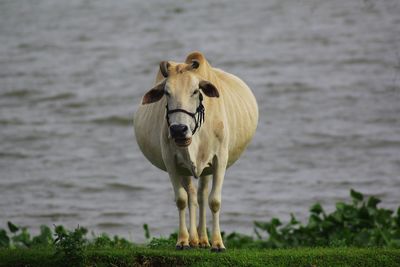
183	142
179	133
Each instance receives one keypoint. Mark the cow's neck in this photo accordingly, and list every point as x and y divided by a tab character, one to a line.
191	158
186	159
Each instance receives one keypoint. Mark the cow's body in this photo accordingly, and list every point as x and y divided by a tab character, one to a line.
230	123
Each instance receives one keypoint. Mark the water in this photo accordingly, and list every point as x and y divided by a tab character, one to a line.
325	73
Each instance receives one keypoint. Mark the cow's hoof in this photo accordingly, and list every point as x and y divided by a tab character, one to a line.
194	243
204	244
218	250
182	247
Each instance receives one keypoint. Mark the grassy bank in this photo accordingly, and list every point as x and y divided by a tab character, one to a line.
358	233
197	257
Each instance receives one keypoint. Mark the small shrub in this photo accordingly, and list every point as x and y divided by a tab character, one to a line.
70	245
104	241
162	242
45	238
4	239
359	224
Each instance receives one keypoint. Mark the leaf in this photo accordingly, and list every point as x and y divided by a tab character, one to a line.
314	221
4	239
385	236
13	228
276	222
23	239
395	243
146	231
363	213
340	206
326	225
337	216
373	202
316	208
257	233
293	220
397	219
357	196
45	237
59	230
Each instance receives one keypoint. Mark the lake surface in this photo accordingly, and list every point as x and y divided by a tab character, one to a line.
326	75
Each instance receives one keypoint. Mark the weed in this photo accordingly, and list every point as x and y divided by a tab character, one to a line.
104	241
146	231
358	224
70	245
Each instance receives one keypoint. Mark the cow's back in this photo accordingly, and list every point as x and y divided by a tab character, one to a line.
241	111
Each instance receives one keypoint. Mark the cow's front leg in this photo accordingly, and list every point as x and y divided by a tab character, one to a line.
192	194
214	201
181	199
202	197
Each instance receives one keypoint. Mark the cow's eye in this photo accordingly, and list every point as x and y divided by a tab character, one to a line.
196	92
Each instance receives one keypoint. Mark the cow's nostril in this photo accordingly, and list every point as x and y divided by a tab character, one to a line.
184	128
178	130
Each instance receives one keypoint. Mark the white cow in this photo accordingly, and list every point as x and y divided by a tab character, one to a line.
196	121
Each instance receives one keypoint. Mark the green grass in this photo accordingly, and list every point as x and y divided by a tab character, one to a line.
358	233
198	257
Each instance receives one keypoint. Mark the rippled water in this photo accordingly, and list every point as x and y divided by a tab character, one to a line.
325	73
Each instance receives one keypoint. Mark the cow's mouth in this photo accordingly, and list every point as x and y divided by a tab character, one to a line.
183	142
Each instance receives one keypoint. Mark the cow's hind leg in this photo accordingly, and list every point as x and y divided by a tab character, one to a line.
202	195
181	199
192	194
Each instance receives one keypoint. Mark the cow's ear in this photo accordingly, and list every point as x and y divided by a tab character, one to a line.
209	89
195	64
164	68
154	94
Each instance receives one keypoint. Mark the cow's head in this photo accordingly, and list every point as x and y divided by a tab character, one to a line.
183	88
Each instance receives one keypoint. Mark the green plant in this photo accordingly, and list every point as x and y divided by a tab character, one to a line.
70	245
237	240
146	231
360	224
20	237
162	242
4	239
104	241
45	238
